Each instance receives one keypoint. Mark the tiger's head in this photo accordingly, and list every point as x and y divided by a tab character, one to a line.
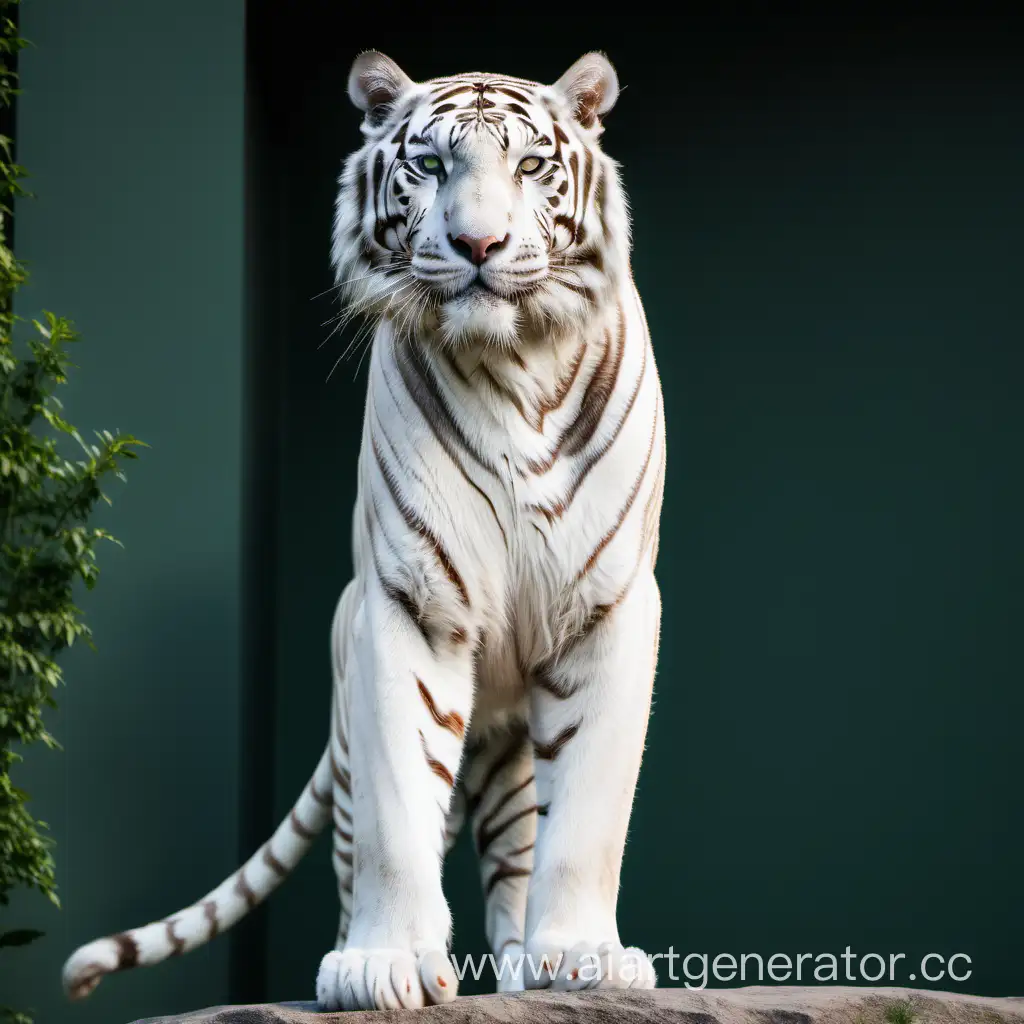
480	208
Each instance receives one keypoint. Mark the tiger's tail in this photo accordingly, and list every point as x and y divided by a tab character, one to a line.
221	908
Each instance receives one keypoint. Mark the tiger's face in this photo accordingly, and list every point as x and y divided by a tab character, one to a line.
480	207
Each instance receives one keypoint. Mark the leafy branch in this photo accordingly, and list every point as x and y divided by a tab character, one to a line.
51	481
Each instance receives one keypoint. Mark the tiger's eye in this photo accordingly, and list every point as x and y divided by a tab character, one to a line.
530	165
430	164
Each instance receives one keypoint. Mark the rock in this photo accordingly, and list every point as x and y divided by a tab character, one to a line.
754	1005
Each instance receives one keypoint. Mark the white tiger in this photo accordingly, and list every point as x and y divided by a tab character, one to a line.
502	625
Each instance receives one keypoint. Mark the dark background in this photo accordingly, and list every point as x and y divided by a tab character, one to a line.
828	224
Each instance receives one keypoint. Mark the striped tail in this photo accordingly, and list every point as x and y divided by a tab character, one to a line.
249	886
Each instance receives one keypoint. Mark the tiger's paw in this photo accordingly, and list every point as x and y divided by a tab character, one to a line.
551	966
384	979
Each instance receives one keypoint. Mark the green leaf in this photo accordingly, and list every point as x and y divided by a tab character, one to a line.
48	533
21	937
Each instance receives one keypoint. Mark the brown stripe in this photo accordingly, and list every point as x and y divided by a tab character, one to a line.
210	912
342	834
542	676
436	766
528	846
299	827
508	393
422	386
506	797
386	224
452	721
600	202
599	391
574	173
487	836
321	798
564	384
591	257
652	506
504	873
415	523
514	93
273	863
549	751
542	226
176	941
339	731
588	175
453	365
595	457
341	777
398	139
360	176
598	614
624	511
595	398
391	591
567	222
345	856
453	92
571	286
89	977
508	756
244	889
378	177
127	950
483	494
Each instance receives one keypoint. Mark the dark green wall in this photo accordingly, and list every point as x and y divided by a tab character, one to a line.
131	124
828	224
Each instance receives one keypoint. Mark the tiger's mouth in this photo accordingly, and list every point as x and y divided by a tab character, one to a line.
478	290
486	291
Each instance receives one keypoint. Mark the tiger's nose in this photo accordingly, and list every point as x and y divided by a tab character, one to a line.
476	250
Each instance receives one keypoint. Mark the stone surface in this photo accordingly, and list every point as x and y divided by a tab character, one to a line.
755	1005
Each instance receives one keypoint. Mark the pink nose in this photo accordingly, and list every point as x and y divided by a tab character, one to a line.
477	249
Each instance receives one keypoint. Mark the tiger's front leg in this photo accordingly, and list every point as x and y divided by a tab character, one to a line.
408	707
588	723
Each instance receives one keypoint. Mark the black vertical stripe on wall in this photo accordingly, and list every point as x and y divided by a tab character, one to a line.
259	518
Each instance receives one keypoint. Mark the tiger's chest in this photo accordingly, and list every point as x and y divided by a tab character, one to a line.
509	500
575	528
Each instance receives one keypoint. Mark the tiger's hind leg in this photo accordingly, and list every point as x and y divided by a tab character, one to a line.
502	807
455	820
341	787
341	812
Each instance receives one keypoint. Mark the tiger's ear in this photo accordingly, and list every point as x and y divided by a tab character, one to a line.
374	83
590	87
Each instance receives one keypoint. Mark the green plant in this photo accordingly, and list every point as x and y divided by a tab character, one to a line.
47	545
901	1012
